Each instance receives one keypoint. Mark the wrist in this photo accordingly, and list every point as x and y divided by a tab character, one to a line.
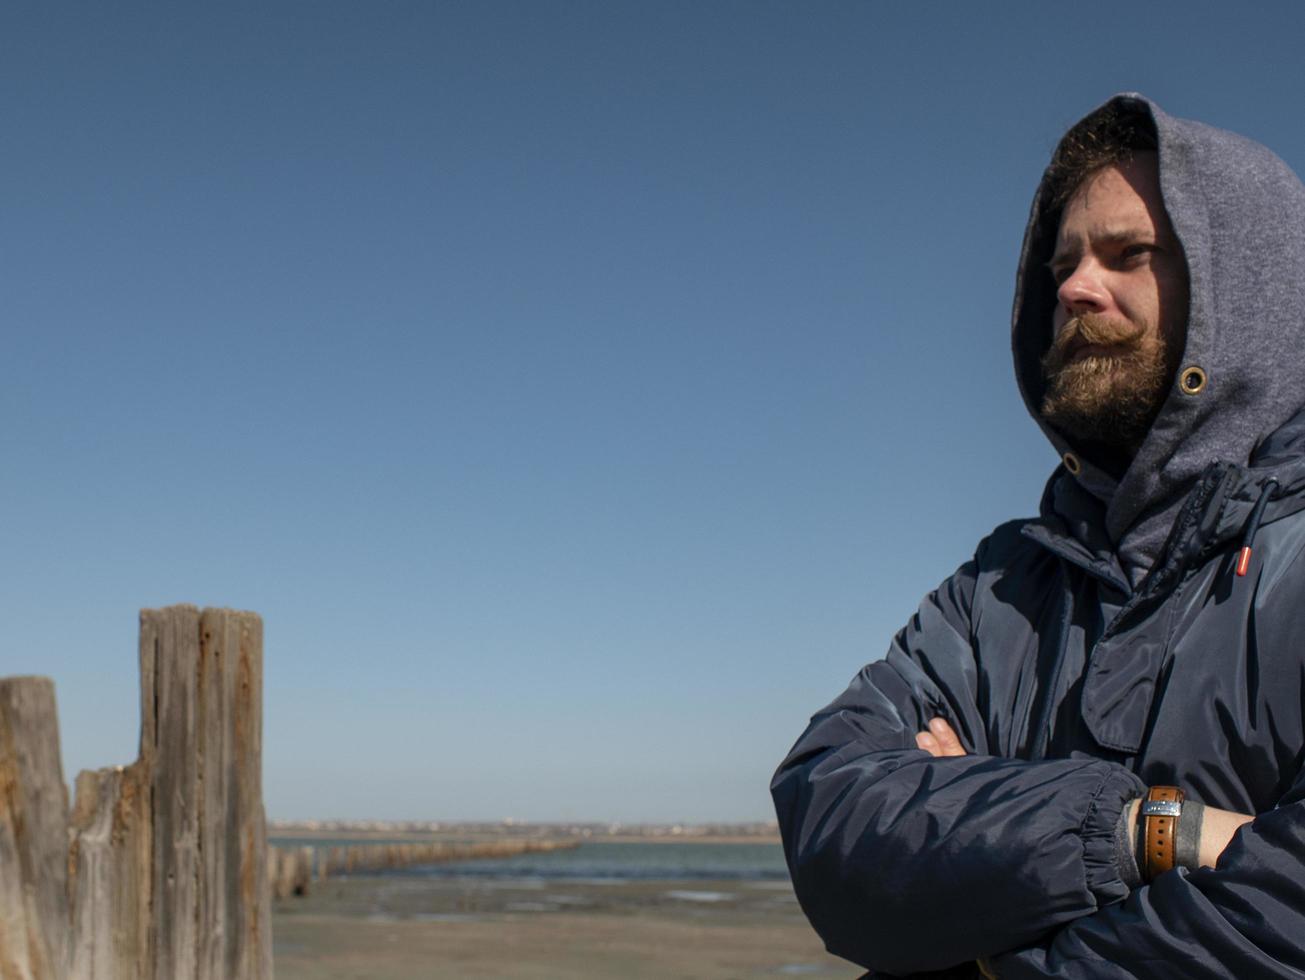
1218	827
1168	832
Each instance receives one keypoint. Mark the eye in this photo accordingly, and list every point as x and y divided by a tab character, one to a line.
1130	253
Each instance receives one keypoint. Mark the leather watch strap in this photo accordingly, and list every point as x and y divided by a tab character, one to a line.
1159	814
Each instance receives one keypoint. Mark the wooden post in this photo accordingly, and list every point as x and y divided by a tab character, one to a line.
160	871
109	862
33	834
202	731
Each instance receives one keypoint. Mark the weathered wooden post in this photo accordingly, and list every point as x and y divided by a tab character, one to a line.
33	834
161	872
109	862
202	732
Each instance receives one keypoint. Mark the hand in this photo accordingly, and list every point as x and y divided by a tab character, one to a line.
940	740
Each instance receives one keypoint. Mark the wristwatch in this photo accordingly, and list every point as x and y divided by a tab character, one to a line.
1158	836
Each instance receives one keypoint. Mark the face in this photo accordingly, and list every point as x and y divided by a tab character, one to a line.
1121	312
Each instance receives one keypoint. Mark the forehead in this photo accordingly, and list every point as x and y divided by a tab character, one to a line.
1122	197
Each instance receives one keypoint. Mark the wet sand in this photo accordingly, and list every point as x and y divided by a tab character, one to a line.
410	927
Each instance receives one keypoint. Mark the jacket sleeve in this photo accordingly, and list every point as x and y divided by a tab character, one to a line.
1243	918
907	863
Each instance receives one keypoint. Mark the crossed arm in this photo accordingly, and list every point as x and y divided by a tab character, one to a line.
885	815
1013	855
1217	827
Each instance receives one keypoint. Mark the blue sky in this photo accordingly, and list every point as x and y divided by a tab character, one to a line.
581	391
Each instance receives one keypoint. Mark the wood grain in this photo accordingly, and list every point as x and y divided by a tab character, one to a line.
33	834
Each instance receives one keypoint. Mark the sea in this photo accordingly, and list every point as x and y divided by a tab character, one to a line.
603	861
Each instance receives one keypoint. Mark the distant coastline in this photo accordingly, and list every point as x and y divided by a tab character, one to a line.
615	833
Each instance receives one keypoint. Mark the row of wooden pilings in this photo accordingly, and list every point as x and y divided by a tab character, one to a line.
292	870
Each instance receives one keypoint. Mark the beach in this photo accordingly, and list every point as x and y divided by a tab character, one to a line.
557	916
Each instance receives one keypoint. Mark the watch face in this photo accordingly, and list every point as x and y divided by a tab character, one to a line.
1161	808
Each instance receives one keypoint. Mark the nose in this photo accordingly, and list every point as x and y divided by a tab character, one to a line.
1083	291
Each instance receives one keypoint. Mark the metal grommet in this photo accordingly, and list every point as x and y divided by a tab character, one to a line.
1192	381
1072	464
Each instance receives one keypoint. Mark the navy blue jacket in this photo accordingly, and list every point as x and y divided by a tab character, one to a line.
1101	647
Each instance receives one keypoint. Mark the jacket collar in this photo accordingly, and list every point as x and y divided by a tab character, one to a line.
1214	512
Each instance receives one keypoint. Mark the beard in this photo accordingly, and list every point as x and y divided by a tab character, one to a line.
1107	397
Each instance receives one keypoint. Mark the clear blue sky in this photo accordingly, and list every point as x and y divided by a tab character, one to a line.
581	390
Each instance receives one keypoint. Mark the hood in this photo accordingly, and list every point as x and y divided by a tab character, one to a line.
1239	213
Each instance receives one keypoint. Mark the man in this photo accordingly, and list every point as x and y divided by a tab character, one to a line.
974	801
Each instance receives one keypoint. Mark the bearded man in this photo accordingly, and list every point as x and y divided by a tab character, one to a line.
1083	756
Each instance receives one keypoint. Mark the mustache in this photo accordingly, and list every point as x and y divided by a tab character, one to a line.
1092	329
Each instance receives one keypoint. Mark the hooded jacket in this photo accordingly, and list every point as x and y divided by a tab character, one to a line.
1103	646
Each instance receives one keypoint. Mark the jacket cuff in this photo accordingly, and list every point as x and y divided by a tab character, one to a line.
1107	870
1126	850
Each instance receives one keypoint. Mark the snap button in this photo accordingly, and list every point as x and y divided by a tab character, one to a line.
1072	464
1193	381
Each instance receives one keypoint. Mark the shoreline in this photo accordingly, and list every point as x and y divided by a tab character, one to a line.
521	833
388	928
